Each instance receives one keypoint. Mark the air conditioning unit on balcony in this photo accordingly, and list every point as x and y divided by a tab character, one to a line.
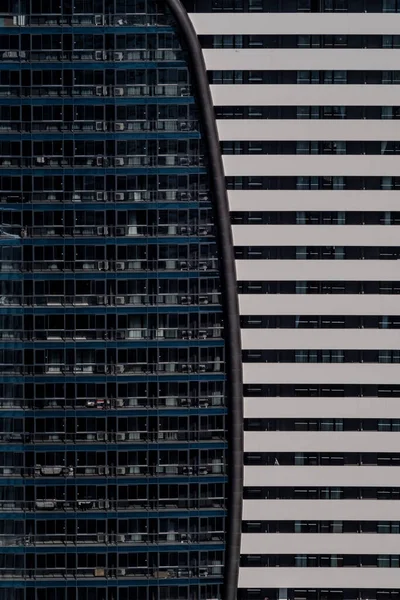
183	196
99	20
120	470
120	266
118	91
119	369
119	126
120	437
40	160
103	265
100	55
101	126
76	197
118	56
100	161
101	196
119	196
103	470
119	300
101	90
119	161
102	300
184	126
102	230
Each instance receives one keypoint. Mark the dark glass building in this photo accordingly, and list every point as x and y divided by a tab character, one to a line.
113	373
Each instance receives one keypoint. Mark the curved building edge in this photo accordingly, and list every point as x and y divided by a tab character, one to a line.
229	290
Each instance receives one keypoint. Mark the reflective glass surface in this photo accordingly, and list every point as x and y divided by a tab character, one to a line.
112	373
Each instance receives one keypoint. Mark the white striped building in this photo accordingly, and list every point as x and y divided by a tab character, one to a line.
308	106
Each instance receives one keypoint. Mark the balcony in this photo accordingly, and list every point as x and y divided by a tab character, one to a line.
99	126
104	539
104	196
120	437
99	404
137	470
90	55
144	299
99	505
142	265
55	91
104	162
82	20
130	334
102	573
81	230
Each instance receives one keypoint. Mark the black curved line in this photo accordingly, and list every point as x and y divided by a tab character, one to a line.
229	288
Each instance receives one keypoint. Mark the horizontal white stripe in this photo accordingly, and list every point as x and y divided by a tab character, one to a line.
298	59
319	543
318	270
319	304
321	510
321	373
320	200
295	23
300	408
308	129
327	476
314	165
339	339
321	441
306	95
320	578
316	235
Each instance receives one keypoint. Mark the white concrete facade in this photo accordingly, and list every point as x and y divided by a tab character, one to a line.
264	407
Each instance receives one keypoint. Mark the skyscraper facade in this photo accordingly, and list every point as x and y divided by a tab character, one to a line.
198	270
113	373
306	99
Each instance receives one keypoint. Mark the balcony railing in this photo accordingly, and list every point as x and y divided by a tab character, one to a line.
82	20
108	56
100	126
144	299
54	91
144	470
97	404
88	265
104	196
161	230
96	505
76	162
120	437
104	539
109	573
